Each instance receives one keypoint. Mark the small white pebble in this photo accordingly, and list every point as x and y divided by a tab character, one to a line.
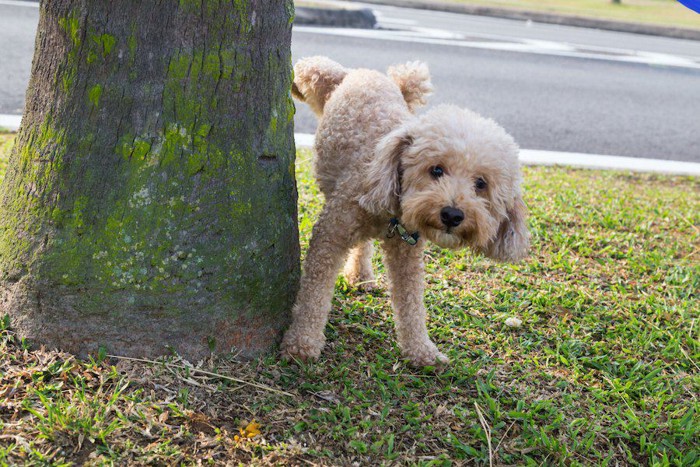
514	322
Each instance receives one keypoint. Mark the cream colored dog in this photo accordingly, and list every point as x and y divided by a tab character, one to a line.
448	176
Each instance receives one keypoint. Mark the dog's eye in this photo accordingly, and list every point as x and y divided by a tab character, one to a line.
437	171
480	184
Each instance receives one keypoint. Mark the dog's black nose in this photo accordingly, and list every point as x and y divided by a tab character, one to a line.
451	217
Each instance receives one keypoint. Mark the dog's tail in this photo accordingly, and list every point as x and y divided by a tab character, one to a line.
413	78
315	79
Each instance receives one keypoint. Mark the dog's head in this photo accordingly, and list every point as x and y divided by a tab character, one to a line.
454	177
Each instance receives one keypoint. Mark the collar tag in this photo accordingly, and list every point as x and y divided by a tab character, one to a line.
395	226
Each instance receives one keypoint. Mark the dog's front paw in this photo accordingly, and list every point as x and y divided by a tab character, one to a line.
300	346
426	354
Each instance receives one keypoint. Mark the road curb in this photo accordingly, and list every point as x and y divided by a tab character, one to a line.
579	160
10	122
327	14
542	17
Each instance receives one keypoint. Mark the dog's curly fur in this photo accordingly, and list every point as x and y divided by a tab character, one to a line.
376	160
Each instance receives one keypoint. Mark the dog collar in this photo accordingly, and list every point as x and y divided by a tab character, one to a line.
395	226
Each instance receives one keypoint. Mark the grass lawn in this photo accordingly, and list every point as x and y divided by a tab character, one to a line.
603	371
662	12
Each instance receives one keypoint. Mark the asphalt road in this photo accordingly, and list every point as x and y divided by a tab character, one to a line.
546	102
17	31
552	87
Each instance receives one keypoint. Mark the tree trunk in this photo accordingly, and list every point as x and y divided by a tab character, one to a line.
150	203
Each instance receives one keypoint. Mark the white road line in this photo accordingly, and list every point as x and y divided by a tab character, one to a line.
574	159
538	47
397	21
527	156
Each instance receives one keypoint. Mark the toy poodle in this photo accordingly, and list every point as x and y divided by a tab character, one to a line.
449	176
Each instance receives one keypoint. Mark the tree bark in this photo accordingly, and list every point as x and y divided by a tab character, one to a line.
149	203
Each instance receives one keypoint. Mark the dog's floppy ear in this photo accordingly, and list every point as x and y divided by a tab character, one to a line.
382	181
512	241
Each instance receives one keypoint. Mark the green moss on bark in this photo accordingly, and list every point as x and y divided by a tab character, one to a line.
94	95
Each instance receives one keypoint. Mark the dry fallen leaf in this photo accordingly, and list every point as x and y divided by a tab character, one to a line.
251	430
